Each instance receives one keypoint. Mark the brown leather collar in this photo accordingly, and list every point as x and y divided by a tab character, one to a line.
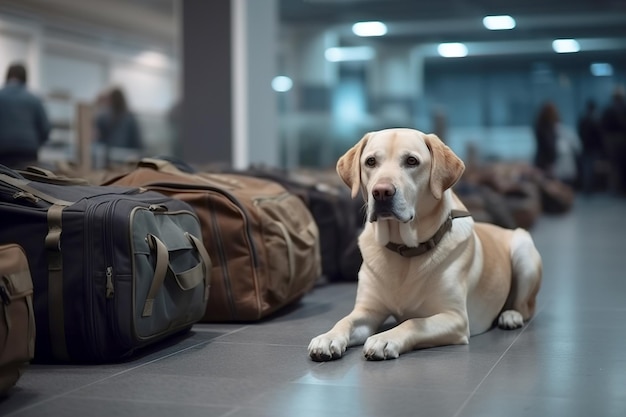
410	251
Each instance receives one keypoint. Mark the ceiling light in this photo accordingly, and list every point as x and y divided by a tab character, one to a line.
503	22
369	29
152	59
601	69
282	84
349	53
565	46
452	50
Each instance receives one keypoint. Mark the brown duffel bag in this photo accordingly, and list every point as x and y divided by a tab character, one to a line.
262	239
17	318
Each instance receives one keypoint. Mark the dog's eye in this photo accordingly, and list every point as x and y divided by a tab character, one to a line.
412	161
370	162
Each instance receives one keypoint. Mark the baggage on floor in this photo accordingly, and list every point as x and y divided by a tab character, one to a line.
262	239
556	196
17	318
114	268
339	218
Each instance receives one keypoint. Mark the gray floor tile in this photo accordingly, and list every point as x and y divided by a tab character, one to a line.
304	400
565	376
253	362
73	407
183	390
425	369
490	405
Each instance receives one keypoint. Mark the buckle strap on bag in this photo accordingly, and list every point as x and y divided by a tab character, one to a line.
56	316
186	280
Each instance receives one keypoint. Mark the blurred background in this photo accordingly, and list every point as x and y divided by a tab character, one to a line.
294	83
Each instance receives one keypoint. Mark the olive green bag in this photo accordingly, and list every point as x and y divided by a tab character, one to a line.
17	319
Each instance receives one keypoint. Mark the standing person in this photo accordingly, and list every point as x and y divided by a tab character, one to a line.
117	126
590	133
546	135
614	126
24	125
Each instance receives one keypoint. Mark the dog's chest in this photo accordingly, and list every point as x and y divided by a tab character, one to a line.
399	286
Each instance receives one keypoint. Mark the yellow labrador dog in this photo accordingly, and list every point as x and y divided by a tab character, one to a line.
425	262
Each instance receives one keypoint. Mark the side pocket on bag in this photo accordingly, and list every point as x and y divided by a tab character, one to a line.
17	318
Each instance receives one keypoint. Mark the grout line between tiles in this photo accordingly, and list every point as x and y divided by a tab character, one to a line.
467	400
263	344
54	397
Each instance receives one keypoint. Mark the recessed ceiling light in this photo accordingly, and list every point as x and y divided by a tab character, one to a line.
502	22
349	53
565	46
369	29
601	69
282	83
452	50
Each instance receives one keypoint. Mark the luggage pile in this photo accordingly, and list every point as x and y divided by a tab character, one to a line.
512	194
95	273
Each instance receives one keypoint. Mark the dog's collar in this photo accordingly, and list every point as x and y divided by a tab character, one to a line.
410	251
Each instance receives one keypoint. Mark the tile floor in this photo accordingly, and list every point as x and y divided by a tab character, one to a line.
570	360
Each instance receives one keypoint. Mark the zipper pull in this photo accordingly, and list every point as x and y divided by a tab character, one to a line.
4	295
109	285
157	207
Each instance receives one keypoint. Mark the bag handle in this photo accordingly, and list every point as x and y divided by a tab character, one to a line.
160	165
39	174
22	184
186	280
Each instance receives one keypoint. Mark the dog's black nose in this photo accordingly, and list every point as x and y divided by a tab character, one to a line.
383	191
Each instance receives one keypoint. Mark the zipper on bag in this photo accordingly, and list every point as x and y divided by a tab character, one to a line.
110	288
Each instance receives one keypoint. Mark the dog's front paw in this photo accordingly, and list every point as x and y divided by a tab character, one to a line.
327	347
379	348
510	319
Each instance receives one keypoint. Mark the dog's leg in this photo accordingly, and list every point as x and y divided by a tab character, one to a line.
449	328
352	330
526	262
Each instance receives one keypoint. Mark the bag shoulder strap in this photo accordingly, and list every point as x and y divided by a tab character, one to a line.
23	185
56	311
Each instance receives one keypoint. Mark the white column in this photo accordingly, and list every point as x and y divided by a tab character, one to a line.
254	39
314	69
395	82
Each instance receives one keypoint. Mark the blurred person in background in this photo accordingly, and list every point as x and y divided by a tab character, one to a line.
24	125
558	147
545	130
116	125
590	133
614	126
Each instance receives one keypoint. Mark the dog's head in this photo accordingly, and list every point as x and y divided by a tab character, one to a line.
399	172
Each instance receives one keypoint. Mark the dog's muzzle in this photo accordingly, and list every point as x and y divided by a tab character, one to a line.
383	207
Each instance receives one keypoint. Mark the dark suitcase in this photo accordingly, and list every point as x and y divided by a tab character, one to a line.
114	268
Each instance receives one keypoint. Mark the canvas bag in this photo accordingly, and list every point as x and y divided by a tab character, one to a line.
338	216
17	318
114	269
262	239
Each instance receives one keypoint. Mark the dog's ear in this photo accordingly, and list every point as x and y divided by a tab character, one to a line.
349	166
446	168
